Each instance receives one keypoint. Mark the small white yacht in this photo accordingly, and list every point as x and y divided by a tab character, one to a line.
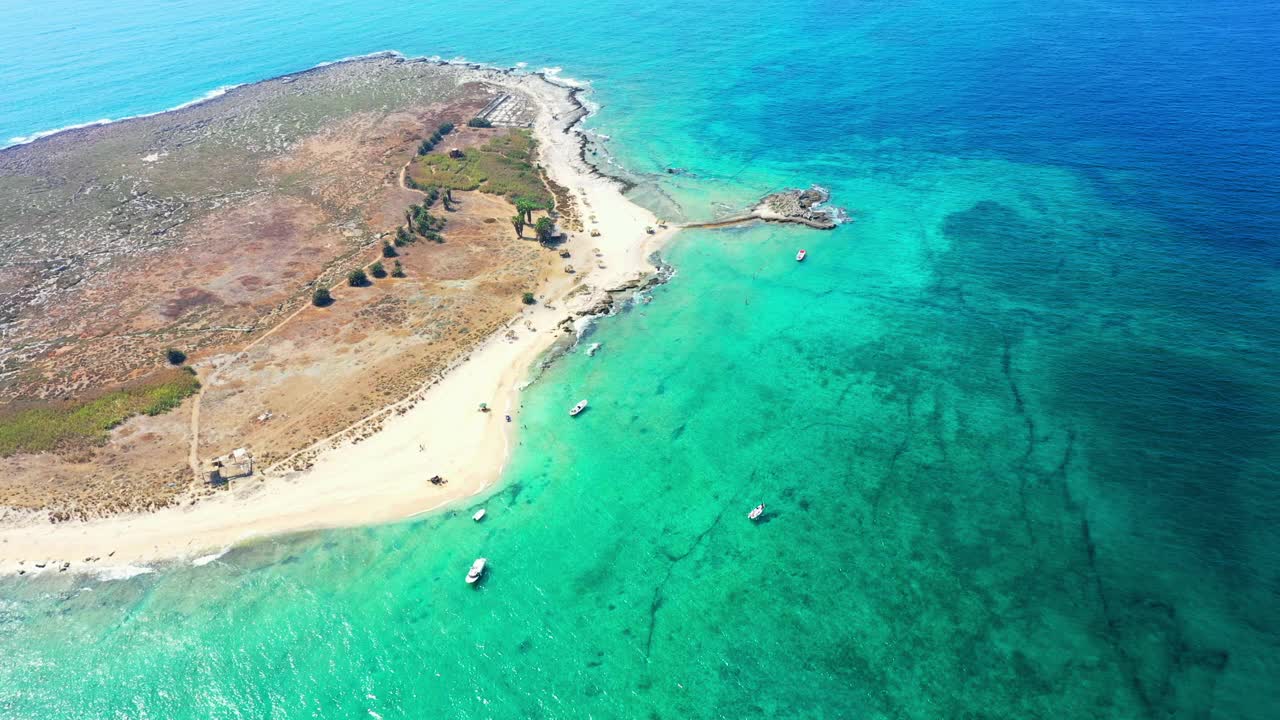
479	515
477	569
578	408
756	512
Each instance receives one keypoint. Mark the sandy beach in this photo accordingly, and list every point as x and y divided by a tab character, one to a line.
437	431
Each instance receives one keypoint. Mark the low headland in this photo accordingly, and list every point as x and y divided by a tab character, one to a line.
344	264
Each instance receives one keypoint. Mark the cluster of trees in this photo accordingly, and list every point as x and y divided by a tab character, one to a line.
544	229
426	145
477	122
358	277
525	208
424	223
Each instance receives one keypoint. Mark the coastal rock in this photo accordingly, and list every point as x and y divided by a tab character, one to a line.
800	206
804	207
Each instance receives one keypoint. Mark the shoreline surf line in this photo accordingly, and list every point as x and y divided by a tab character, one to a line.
550	75
383	478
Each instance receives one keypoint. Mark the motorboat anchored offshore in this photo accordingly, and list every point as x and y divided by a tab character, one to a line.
479	515
477	569
800	255
756	512
578	408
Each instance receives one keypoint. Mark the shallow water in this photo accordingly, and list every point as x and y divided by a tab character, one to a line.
1017	425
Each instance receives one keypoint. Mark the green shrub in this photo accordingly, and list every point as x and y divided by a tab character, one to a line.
476	122
528	298
544	228
321	298
45	429
377	270
396	270
388	251
175	356
502	166
357	278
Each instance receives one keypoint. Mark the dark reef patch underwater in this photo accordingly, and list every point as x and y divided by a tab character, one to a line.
1017	426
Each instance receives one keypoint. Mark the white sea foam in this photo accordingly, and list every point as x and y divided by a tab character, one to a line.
552	73
24	139
121	572
366	56
206	559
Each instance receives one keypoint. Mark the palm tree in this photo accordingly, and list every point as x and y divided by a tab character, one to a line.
517	221
526	208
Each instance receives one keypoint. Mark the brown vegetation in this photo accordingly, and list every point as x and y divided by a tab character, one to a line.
207	229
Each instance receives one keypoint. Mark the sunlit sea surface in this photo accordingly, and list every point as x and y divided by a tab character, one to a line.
1017	425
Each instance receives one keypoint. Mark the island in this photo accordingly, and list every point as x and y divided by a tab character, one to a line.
283	308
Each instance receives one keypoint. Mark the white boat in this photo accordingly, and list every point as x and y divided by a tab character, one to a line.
592	350
800	255
479	515
477	569
578	408
756	512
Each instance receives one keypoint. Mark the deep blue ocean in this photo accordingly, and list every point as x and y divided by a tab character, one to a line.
1018	423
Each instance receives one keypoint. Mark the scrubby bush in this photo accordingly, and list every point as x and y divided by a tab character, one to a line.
396	270
476	122
544	229
377	270
175	356
388	251
424	222
321	298
357	278
445	128
528	298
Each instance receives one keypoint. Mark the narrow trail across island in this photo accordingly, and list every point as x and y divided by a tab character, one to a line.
193	457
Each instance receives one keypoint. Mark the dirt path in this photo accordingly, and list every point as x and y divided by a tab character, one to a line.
193	455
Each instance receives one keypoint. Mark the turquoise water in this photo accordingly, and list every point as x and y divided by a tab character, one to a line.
1018	425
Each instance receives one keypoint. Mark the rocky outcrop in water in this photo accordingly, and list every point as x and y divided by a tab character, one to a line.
805	207
800	206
